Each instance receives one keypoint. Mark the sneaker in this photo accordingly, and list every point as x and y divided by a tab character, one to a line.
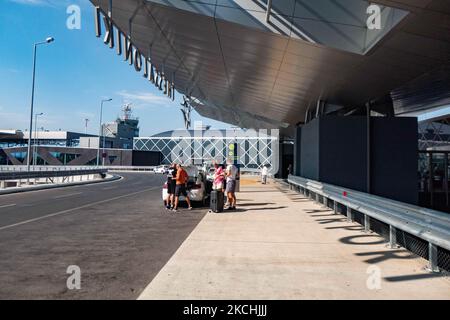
190	208
174	210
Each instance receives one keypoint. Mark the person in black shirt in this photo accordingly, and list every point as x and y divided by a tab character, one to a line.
171	185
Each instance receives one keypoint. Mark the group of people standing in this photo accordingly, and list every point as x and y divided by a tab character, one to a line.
177	180
225	181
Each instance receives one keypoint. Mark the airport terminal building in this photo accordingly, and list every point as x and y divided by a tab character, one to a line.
344	80
255	149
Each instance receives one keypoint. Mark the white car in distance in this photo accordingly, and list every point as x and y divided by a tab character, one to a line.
161	169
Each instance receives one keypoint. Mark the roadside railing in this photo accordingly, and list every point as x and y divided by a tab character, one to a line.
22	168
15	175
14	178
130	168
431	226
69	168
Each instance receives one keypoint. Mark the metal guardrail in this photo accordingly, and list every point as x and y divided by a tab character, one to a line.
130	168
49	172
21	168
429	225
111	168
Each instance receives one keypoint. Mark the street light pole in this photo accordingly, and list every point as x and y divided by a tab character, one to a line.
48	40
86	121
103	149
101	131
35	137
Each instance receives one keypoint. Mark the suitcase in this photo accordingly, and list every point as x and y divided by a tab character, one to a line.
217	201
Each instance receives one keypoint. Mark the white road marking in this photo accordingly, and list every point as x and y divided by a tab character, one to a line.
8	206
74	209
110	188
68	195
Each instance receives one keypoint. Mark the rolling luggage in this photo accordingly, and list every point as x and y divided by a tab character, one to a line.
217	201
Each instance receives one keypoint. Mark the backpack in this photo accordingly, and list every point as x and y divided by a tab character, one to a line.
183	176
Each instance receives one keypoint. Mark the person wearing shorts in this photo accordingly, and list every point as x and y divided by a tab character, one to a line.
180	188
230	188
171	184
264	173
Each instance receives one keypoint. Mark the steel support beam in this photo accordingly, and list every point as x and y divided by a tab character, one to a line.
269	10
393	237
432	258
349	214
367	223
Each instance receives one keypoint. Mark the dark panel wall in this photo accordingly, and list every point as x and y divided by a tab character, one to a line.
334	151
309	155
343	157
286	158
297	152
146	158
394	158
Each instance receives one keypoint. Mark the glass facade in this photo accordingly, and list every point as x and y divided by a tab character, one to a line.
190	146
434	179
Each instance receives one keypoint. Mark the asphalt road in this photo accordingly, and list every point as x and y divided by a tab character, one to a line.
117	233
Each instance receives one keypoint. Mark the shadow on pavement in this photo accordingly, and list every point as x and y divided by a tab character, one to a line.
381	256
351	240
255	204
412	277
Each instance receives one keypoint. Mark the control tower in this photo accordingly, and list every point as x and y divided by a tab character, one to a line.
123	130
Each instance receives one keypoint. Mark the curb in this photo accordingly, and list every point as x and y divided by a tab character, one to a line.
111	178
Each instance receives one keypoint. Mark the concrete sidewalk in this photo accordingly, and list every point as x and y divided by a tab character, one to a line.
280	245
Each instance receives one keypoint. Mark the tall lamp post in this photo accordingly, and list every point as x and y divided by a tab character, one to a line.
86	122
48	40
101	131
36	136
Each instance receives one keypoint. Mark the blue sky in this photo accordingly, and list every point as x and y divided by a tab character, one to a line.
73	74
